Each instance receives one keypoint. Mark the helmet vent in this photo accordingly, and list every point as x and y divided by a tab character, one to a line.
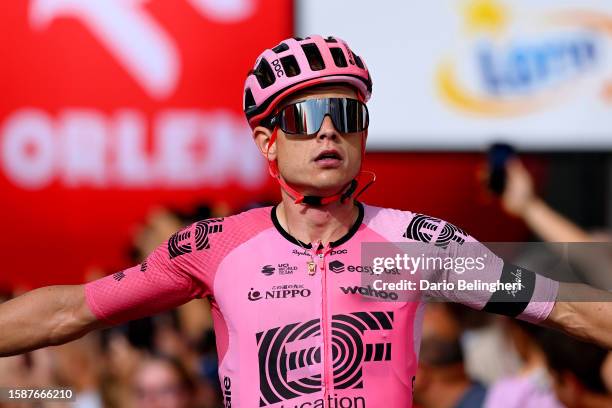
264	74
313	55
359	62
290	66
280	48
249	101
338	57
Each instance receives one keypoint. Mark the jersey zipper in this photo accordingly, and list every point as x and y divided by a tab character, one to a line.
327	369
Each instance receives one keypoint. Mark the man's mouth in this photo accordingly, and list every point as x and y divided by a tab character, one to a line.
328	158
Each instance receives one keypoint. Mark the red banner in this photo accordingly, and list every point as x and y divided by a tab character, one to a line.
110	107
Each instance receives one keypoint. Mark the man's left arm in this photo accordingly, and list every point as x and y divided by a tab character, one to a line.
587	320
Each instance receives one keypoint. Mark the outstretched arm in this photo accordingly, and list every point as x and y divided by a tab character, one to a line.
587	320
46	316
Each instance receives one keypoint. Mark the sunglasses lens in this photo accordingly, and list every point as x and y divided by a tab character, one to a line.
306	117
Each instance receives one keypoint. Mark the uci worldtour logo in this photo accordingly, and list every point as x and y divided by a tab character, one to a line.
267	270
279	292
429	229
283	269
290	360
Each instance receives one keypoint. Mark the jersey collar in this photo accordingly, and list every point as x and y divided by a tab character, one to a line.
333	244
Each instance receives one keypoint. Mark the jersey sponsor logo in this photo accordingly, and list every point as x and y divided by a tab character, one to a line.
368	291
427	229
339	252
357	401
267	270
300	253
339	267
227	392
181	242
511	302
283	269
279	292
118	276
336	266
290	361
144	265
278	68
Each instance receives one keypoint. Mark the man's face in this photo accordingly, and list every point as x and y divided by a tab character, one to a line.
323	163
156	385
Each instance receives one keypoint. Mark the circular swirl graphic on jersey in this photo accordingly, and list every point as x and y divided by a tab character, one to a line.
422	228
180	243
290	357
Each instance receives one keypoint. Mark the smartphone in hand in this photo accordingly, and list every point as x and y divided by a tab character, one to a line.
498	156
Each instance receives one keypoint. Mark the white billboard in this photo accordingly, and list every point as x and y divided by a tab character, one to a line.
458	74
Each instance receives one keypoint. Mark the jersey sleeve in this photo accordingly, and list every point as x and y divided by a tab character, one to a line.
174	273
471	274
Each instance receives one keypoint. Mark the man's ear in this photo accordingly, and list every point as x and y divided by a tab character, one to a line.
262	136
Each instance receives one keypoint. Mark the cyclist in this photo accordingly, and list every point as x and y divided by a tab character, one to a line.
295	325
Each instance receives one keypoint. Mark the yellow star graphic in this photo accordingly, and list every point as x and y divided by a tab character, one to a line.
485	16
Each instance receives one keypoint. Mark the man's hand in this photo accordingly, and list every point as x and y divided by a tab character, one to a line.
43	317
519	192
586	320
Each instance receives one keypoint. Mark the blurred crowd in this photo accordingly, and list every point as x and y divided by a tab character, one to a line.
468	359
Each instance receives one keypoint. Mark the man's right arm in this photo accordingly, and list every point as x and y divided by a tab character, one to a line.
43	317
173	274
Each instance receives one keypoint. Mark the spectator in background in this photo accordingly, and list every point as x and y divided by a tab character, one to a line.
520	199
531	386
441	380
576	369
162	382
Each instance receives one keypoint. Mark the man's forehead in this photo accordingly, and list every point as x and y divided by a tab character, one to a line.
321	91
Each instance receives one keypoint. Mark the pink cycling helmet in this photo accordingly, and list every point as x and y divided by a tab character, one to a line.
298	63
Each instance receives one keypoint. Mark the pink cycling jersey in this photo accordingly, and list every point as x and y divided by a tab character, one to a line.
287	337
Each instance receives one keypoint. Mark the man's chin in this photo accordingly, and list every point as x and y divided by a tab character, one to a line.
327	189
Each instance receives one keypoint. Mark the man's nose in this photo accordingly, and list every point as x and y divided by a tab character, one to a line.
327	130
